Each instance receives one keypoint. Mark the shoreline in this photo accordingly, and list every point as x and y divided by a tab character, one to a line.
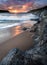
23	41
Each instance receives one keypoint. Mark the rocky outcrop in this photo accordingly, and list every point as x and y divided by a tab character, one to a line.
38	11
17	57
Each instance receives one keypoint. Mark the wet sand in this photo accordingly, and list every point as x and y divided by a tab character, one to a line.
22	41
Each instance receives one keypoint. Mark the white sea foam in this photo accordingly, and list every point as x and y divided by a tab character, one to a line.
17	17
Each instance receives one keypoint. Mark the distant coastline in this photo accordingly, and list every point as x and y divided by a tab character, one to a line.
43	8
4	11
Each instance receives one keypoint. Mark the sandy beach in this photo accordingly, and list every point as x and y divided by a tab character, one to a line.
21	40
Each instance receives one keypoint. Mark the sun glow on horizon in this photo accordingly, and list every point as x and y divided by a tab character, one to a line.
22	9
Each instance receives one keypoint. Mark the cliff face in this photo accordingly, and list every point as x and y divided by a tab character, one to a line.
37	55
38	11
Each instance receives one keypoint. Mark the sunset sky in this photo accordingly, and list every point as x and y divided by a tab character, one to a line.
23	5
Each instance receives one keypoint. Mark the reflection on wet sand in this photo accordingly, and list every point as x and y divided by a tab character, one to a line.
9	33
16	30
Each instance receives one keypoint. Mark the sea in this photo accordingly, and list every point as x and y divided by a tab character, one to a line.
15	19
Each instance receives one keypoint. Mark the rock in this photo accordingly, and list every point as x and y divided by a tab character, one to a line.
17	57
24	28
12	58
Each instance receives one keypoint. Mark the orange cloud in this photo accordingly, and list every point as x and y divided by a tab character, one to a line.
21	9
